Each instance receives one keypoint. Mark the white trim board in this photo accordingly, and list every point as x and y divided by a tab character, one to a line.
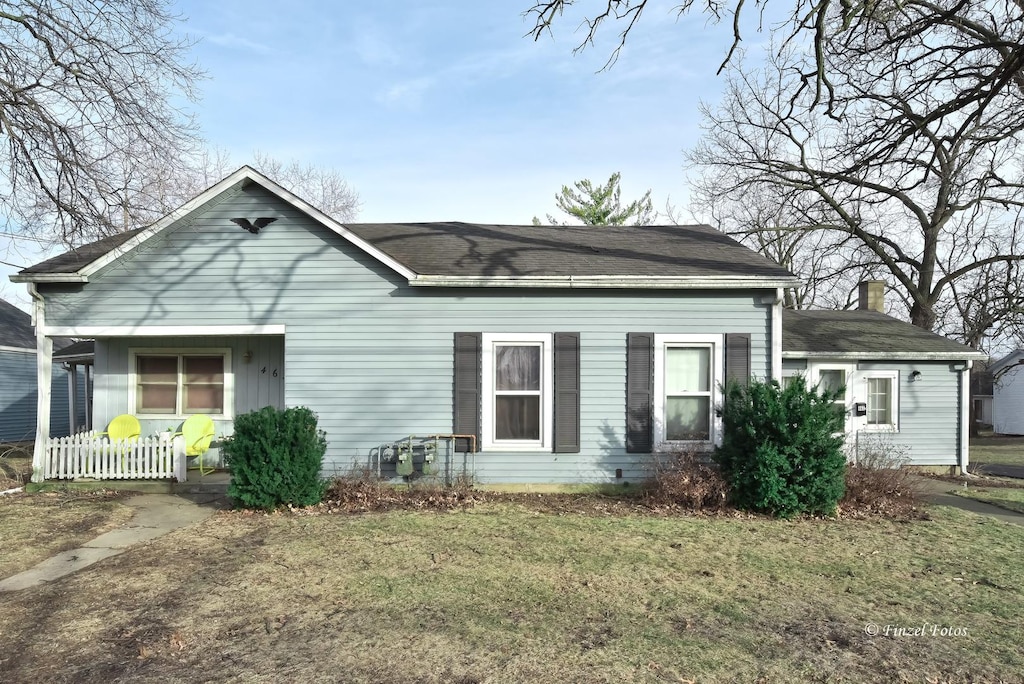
883	356
605	281
19	350
159	330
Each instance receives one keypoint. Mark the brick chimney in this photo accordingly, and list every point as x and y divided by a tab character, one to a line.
872	295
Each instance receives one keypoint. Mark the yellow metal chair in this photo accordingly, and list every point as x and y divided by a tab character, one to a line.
198	431
125	428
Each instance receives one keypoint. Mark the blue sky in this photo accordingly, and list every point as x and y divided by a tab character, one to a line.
446	110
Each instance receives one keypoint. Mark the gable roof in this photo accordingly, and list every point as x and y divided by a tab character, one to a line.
863	334
16	329
455	253
478	255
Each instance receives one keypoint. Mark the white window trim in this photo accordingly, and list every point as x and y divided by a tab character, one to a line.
894	383
487	403
229	379
661	341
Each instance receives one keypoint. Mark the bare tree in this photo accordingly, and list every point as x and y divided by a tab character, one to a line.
936	205
86	92
325	188
820	22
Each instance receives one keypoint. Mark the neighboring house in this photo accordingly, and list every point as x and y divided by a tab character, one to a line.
981	393
1008	394
558	354
906	389
18	396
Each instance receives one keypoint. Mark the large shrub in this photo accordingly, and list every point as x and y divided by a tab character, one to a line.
275	458
780	453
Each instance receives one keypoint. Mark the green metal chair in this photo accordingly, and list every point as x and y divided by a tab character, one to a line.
198	431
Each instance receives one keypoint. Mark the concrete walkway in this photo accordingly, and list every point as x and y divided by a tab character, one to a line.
155	515
937	492
999	470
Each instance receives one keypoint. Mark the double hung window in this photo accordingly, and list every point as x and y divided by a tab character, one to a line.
170	383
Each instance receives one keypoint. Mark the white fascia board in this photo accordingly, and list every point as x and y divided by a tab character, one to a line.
884	356
48	278
245	173
637	282
159	330
18	350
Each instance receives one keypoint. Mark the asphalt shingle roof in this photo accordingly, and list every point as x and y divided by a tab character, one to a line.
71	261
16	329
470	249
862	331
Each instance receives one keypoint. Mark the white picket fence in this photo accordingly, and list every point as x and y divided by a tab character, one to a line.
85	455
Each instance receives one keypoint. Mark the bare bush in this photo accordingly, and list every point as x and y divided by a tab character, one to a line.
879	483
686	480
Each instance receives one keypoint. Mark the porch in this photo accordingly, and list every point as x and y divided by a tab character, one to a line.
88	456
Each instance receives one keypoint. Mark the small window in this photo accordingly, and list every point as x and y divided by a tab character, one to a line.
174	384
832	380
517	391
879	401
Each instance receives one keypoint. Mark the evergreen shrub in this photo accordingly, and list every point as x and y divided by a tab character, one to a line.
275	457
780	452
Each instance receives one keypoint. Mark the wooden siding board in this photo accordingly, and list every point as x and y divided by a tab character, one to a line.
372	356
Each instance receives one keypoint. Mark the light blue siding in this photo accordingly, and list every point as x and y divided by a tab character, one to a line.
18	398
929	414
371	355
258	382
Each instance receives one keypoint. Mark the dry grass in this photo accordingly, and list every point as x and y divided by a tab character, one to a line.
502	592
33	527
1001	449
1010	498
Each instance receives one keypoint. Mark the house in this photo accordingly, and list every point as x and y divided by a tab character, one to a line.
981	394
907	390
18	395
515	354
1008	394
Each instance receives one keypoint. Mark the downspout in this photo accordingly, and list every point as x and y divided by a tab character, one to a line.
776	371
965	417
44	370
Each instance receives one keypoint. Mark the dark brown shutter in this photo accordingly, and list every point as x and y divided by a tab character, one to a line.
466	399
567	393
639	391
737	358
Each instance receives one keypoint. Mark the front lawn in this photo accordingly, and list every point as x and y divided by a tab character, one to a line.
1010	498
34	527
506	592
1001	449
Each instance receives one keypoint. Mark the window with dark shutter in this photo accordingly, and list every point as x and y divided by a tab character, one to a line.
737	358
567	393
466	400
639	381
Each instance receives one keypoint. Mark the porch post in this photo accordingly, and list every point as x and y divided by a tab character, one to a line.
44	368
72	393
